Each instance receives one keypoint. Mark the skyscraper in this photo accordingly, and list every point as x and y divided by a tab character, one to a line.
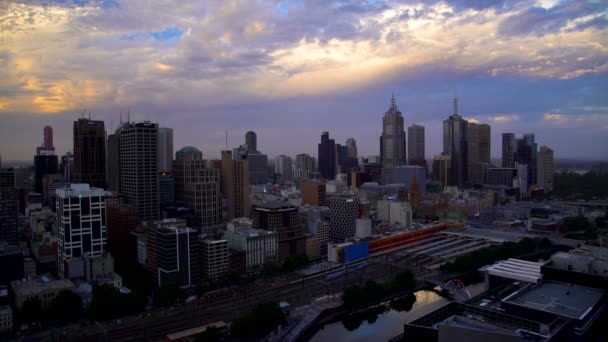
283	167
113	160
351	146
545	168
178	254
442	169
165	149
48	139
197	187
392	141
81	218
235	183
67	167
304	166
455	146
478	154
281	217
526	154
8	207
90	152
258	163
139	167
509	146
251	140
45	162
415	145
327	157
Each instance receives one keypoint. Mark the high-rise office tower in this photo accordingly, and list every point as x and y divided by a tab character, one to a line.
344	211
197	187
90	153
113	160
392	141
122	220
526	154
442	169
139	167
304	166
545	168
178	253
351	146
67	167
282	218
509	146
235	182
45	162
48	138
258	163
165	149
283	167
9	207
478	154
166	189
251	140
455	146
415	145
81	219
327	157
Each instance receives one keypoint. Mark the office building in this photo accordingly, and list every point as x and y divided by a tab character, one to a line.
48	139
509	146
122	220
113	160
166	189
283	168
392	142
235	185
478	153
455	145
442	169
282	218
305	167
526	154
66	168
151	228
257	164
44	287
545	168
327	157
260	246
81	218
214	258
351	147
139	167
410	175
501	176
415	146
9	207
11	262
344	211
90	153
165	149
177	256
395	212
313	193
197	187
45	162
251	140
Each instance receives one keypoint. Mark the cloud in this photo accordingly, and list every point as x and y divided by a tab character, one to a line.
505	118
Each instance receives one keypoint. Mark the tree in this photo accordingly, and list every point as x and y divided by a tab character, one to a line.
169	295
31	311
600	222
270	269
109	303
404	280
66	307
263	319
211	334
204	286
293	262
574	223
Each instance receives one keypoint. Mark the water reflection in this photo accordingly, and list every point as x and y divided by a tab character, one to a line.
383	321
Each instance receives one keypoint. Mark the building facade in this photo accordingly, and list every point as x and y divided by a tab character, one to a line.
9	207
509	146
165	149
235	185
90	153
178	253
313	193
214	258
260	246
415	145
251	140
545	168
139	181
81	219
478	153
392	142
344	211
455	145
282	218
327	157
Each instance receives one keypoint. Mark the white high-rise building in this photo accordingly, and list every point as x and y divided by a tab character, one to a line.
545	168
81	212
165	149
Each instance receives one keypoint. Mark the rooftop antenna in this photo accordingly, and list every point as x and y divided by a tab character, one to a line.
455	105
129	115
226	140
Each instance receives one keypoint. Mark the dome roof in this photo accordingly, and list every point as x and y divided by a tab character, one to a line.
188	149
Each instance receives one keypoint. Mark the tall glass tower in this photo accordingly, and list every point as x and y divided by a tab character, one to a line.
392	142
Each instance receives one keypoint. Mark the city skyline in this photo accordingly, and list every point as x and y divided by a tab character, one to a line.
288	76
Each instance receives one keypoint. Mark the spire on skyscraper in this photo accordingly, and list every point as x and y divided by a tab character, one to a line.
455	106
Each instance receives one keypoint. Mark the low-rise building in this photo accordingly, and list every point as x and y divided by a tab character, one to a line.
45	288
260	246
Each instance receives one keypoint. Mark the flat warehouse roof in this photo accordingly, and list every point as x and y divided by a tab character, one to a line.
517	269
558	298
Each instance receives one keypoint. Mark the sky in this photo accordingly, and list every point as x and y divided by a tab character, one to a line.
290	70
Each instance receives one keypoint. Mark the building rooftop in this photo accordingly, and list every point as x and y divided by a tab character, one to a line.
516	269
562	299
34	286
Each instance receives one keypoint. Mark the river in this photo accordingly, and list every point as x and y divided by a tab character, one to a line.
382	323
